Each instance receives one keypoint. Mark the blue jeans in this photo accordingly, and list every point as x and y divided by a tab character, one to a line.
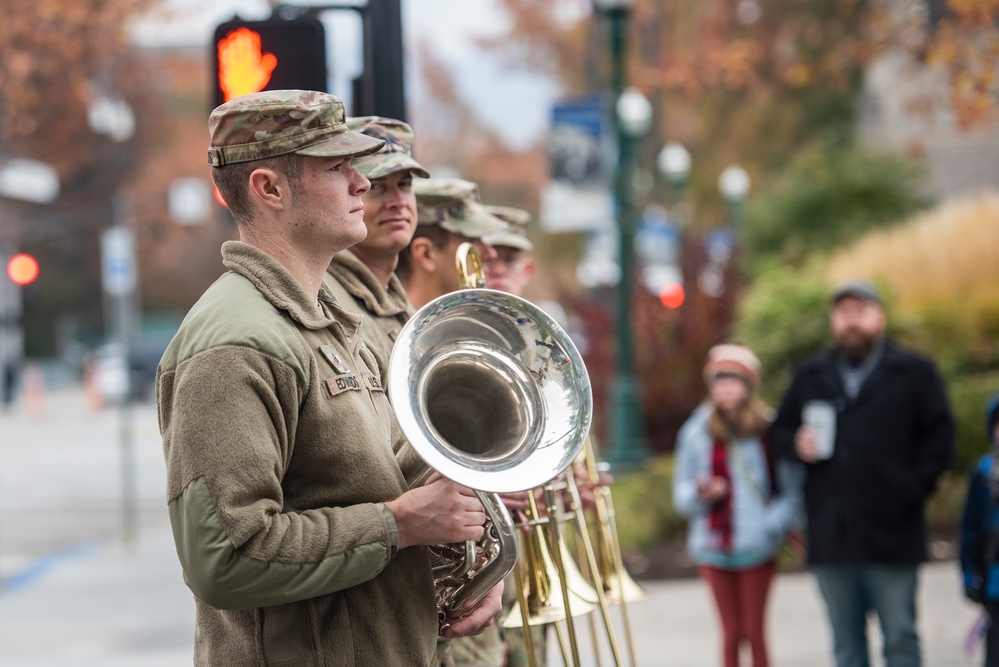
851	591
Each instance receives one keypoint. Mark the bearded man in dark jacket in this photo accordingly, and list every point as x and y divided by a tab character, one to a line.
892	435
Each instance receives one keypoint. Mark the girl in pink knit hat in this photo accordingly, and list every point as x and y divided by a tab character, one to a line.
740	502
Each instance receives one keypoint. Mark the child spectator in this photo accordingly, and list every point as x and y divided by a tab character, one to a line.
980	535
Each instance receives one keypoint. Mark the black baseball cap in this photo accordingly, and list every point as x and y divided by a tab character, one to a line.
857	289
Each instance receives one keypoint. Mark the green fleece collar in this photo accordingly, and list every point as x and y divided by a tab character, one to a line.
281	288
357	279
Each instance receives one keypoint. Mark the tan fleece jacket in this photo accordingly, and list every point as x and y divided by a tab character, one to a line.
358	291
279	441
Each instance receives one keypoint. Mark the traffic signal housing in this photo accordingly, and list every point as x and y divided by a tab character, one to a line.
275	54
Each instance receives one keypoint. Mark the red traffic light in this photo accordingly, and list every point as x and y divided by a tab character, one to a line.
276	54
22	269
672	295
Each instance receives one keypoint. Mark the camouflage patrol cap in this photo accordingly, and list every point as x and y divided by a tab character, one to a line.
453	204
277	122
514	236
395	155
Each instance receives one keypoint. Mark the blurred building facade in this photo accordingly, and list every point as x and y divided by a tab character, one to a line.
906	106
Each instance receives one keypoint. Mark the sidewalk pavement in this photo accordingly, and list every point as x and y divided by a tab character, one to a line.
92	600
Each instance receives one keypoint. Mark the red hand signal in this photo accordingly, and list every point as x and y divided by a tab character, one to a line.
243	69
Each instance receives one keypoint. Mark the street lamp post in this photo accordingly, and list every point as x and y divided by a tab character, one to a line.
733	183
673	162
633	117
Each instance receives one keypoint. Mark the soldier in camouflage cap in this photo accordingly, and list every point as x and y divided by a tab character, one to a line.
286	498
397	153
515	235
509	271
513	267
276	129
450	213
363	278
454	204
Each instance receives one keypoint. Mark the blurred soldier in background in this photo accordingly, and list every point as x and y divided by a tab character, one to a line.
363	278
513	267
449	214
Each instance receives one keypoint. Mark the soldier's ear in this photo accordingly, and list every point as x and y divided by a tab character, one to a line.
269	188
529	267
424	254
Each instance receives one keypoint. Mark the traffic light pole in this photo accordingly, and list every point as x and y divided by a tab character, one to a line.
120	278
11	339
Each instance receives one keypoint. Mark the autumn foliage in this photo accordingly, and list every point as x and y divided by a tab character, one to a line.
747	82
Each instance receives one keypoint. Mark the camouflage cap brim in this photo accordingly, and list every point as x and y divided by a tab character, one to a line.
471	220
509	239
347	144
380	165
514	236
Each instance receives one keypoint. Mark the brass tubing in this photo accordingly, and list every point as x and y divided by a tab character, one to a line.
554	544
598	583
518	574
619	567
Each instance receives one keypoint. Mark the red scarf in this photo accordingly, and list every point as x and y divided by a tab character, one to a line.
720	519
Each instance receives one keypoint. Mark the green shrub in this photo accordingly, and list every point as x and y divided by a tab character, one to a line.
830	194
643	506
968	395
784	318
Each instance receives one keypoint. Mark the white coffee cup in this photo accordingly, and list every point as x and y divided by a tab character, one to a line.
820	416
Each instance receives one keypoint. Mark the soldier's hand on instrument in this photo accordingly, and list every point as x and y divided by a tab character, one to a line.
438	512
479	617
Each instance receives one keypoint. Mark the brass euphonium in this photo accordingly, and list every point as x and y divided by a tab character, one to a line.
492	393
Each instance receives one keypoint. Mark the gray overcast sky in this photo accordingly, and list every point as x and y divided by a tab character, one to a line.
515	104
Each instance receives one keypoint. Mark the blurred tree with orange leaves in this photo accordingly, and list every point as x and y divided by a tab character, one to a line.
58	57
57	54
966	44
749	81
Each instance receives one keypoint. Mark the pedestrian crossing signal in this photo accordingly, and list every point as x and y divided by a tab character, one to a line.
276	54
